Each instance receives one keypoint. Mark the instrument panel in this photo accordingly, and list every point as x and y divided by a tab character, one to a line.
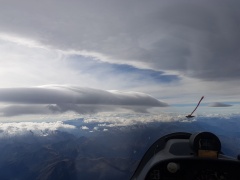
185	156
195	169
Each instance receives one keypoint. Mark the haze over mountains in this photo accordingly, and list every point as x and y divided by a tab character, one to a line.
95	153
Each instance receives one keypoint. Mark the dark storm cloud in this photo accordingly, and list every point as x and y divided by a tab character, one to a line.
60	99
196	38
219	104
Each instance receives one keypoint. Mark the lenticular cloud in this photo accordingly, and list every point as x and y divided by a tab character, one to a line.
60	99
219	104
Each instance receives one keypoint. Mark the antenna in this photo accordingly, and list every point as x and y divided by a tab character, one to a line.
190	115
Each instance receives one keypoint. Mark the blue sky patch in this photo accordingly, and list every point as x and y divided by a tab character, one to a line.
90	66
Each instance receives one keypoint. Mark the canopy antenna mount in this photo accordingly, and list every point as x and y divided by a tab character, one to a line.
190	115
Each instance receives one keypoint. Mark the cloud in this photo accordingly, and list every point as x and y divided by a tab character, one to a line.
84	127
219	104
128	119
75	95
60	99
100	122
191	48
15	110
42	128
195	39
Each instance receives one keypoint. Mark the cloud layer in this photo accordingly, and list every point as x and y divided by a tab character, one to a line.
198	39
25	128
179	50
55	99
219	104
100	122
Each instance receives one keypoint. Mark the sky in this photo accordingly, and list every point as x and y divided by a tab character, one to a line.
97	56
